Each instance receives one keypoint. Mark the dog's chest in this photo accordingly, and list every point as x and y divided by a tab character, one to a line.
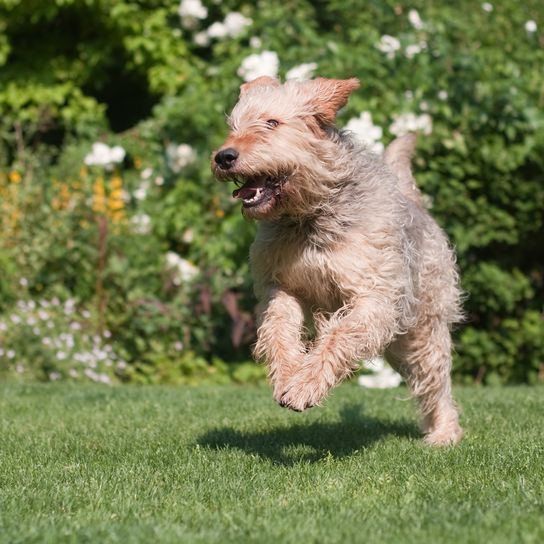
298	266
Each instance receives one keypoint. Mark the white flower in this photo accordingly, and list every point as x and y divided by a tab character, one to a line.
23	282
259	64
10	354
141	192
486	6
104	378
146	173
1	352
104	155
442	95
3	327
183	270
192	8
202	38
91	374
415	19
46	341
232	26
54	376
190	11
366	131
409	122
530	26
188	236
178	346
413	49
383	378
141	223
73	373
159	180
15	319
31	321
217	30
235	23
61	355
19	368
255	42
388	45
179	156
302	71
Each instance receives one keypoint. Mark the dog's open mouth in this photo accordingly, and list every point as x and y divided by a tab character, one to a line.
257	190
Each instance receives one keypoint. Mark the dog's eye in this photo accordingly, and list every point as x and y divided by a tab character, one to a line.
272	123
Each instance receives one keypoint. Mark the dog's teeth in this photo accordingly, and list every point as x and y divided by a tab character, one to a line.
255	197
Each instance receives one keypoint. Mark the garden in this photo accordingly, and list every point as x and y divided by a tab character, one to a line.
123	260
124	273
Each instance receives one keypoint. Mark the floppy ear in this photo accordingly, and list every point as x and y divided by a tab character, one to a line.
329	95
263	81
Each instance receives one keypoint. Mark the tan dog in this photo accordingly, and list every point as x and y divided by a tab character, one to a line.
345	249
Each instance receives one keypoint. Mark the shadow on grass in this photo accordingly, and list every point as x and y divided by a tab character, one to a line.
310	442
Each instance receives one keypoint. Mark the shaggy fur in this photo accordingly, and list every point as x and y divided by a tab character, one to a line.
347	261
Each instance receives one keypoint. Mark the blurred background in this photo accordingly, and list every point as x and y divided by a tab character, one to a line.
122	260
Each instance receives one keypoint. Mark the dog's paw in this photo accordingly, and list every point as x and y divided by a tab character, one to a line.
301	395
448	435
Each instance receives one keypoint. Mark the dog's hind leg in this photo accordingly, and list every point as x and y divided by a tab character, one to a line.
423	357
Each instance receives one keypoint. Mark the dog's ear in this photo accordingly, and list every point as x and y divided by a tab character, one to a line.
329	95
263	81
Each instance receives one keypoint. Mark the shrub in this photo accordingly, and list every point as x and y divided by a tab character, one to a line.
140	76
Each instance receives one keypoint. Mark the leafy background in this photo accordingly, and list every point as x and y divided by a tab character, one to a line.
139	272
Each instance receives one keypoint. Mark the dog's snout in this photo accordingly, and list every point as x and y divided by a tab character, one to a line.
226	157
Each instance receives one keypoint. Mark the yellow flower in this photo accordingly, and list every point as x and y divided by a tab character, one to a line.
116	194
116	182
99	196
219	213
114	204
15	177
137	163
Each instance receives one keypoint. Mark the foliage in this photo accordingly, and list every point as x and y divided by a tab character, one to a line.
137	75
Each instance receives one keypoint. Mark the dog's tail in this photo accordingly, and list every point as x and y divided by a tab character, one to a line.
398	156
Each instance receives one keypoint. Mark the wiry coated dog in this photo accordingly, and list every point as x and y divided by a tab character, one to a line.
345	249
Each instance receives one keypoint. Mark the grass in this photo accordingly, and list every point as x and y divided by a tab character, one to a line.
225	464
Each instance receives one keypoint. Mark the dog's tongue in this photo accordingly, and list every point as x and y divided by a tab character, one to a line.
249	189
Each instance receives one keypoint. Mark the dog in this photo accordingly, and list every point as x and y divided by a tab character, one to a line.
347	262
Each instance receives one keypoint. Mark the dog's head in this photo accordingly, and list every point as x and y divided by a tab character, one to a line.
278	150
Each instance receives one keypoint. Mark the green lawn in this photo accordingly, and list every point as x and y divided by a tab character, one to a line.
225	464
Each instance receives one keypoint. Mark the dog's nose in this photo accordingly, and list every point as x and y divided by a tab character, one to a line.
226	157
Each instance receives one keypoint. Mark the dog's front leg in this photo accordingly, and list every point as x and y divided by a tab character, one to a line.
351	334
279	338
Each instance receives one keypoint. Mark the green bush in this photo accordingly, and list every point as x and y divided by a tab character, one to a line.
156	250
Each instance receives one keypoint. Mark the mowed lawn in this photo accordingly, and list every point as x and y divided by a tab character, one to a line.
98	464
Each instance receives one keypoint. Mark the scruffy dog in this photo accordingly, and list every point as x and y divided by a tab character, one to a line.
347	261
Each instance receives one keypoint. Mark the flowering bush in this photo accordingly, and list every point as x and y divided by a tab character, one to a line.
107	198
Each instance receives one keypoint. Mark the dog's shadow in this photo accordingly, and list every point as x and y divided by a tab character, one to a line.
310	442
